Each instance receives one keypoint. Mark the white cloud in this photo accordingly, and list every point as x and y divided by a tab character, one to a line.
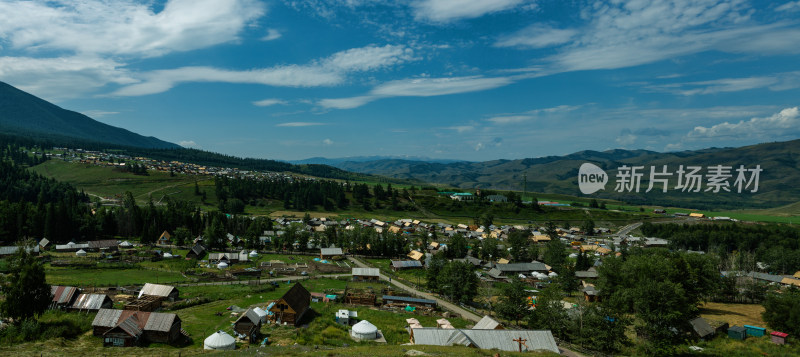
298	124
776	82
510	119
97	113
619	34
124	27
62	78
537	36
479	146
272	34
784	123
789	6
269	102
626	139
461	128
188	144
531	114
325	72
419	87
346	103
327	142
450	10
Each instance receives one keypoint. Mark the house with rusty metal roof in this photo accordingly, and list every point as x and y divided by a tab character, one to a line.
126	328
63	296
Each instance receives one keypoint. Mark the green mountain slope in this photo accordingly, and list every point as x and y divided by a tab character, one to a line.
25	114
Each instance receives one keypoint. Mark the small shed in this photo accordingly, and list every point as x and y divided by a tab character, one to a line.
198	251
219	340
163	291
248	324
165	238
755	331
737	332
92	302
345	317
364	330
701	328
778	338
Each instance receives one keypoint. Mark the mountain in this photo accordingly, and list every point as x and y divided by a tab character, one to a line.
22	113
780	162
341	160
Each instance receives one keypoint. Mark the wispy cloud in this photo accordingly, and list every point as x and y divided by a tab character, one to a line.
624	34
776	82
461	128
189	144
272	34
94	113
269	102
531	114
298	124
450	10
124	27
326	72
327	142
419	87
537	36
790	6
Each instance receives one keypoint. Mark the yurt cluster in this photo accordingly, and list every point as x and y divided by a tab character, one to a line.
289	309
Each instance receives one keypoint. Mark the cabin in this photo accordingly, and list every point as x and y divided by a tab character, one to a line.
63	296
366	274
92	302
249	325
165	292
291	307
125	328
198	251
164	239
778	338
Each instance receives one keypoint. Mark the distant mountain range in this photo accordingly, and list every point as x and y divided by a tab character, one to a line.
22	113
778	182
342	160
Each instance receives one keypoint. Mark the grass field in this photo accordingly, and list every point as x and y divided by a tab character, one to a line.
109	183
416	276
109	277
734	314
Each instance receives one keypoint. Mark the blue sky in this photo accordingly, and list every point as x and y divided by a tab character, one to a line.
458	79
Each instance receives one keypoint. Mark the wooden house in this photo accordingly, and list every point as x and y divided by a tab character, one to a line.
92	302
249	325
126	328
291	307
164	239
63	296
165	292
198	251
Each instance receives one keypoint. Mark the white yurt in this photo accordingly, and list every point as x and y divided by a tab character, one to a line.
261	314
253	254
364	330
552	274
167	256
126	244
222	265
81	253
220	340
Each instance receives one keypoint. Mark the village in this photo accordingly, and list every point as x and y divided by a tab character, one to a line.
346	289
